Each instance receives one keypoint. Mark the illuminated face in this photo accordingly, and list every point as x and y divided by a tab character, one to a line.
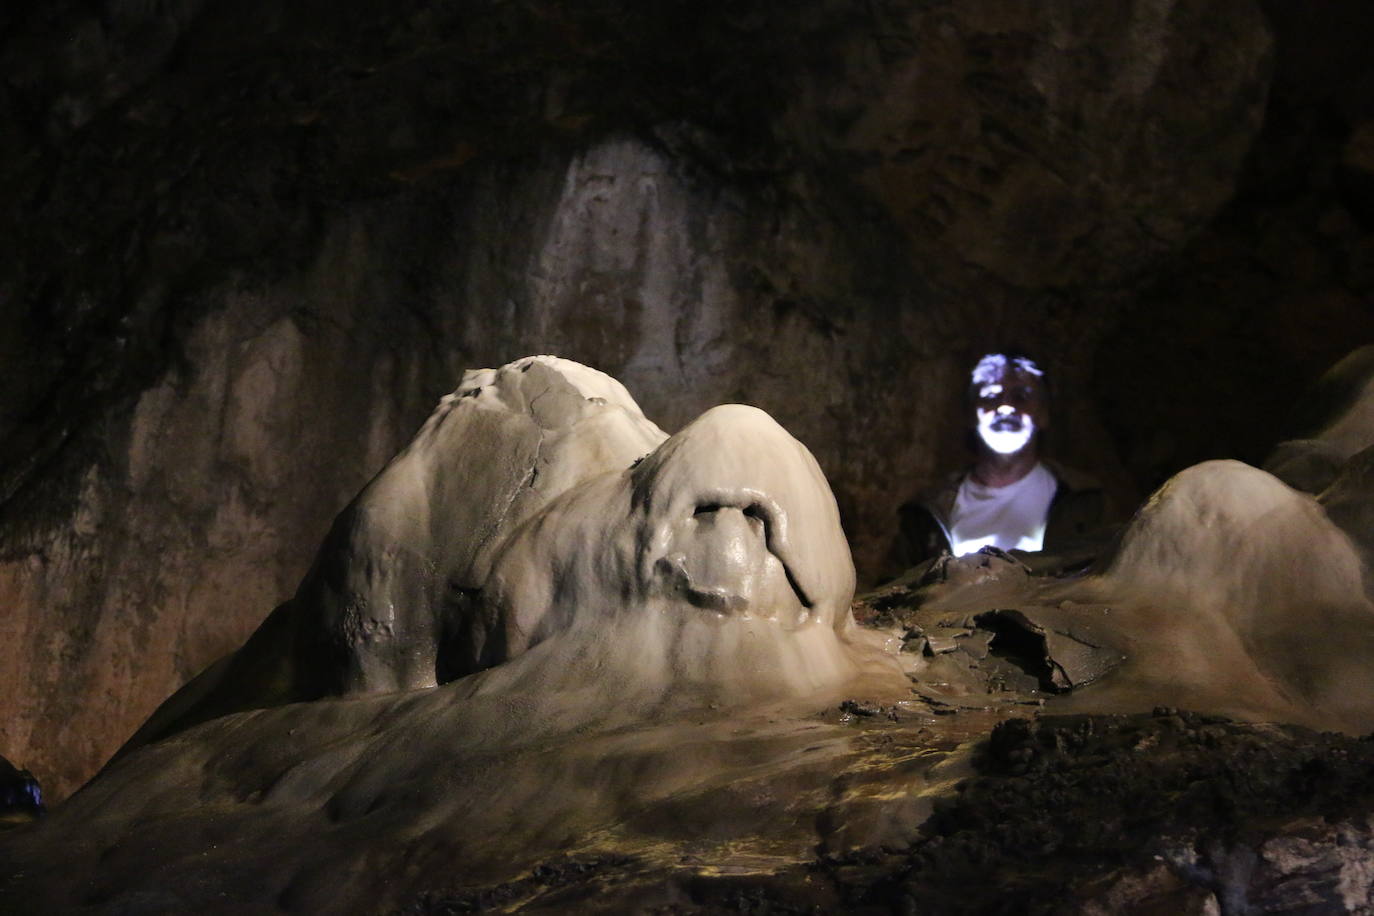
1009	402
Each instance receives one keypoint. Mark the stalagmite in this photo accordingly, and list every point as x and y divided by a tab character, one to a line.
538	502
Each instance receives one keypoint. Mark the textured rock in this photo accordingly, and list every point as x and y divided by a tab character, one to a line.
188	484
1066	814
1336	418
1176	811
1030	141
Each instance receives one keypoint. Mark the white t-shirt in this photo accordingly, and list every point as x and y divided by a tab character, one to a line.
1011	517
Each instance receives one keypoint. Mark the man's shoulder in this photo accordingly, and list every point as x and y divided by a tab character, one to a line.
923	523
1080	507
939	496
1072	479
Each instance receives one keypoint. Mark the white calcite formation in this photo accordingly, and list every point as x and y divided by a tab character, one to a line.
394	579
635	632
537	503
718	559
1244	597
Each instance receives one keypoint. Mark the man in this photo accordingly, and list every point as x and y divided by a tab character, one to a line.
1010	498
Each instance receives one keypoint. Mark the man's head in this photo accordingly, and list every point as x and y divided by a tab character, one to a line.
1010	402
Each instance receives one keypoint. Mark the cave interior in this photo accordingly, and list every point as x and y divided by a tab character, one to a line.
251	245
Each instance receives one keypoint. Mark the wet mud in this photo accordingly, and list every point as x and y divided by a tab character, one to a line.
1165	812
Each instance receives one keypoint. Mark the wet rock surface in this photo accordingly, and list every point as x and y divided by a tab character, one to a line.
1173	811
1094	801
986	654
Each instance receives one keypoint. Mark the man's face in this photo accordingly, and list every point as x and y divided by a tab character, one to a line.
1009	404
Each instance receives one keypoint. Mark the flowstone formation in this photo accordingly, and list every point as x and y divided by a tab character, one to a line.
1229	593
635	629
551	658
538	502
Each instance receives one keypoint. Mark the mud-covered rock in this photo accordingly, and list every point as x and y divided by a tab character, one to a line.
1068	801
1082	814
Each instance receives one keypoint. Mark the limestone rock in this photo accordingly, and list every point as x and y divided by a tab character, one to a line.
1031	142
420	535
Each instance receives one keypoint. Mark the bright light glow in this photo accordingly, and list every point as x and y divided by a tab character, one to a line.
1005	430
972	545
1030	543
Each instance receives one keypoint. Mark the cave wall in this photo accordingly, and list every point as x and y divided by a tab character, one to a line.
244	263
1213	355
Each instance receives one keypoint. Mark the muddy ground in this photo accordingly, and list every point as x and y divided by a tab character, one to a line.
1171	813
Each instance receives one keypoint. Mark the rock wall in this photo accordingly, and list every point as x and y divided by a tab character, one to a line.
1213	356
244	263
